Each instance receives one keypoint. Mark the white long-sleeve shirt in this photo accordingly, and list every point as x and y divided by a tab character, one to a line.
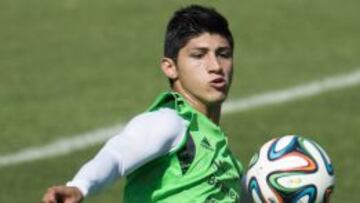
146	137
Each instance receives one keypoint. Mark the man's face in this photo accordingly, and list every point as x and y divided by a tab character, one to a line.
205	66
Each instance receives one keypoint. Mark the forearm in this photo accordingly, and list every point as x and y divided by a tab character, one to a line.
102	170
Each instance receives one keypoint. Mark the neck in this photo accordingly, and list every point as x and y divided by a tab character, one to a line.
213	112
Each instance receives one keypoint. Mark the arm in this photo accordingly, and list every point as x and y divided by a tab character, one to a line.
146	137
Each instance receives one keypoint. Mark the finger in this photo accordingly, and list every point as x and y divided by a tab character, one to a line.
70	201
49	198
50	195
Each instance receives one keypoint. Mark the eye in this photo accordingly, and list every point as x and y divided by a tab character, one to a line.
225	54
197	55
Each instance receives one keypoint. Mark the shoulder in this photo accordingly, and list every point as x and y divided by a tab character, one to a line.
163	123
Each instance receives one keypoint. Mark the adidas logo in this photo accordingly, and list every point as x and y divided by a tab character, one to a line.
205	143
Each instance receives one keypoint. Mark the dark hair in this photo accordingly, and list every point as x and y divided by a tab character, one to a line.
190	22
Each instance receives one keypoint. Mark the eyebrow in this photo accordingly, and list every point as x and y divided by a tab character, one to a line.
206	48
226	48
202	49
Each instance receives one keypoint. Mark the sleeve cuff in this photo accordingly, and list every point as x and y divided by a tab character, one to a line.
81	185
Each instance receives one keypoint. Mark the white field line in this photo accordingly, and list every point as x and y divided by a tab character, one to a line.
293	93
85	140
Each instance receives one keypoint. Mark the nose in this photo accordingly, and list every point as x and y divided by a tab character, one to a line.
214	64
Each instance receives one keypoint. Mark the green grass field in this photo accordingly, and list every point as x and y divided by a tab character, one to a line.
71	66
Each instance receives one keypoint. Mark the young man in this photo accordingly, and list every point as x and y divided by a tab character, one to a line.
176	151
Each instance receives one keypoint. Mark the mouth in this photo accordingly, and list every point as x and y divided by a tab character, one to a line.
219	84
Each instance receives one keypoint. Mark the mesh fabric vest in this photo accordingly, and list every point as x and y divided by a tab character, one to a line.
200	169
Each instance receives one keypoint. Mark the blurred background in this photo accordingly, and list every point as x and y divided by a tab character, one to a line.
70	67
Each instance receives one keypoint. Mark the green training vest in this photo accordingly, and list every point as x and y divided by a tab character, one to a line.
213	175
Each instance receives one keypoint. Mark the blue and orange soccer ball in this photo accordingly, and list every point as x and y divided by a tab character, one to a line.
290	169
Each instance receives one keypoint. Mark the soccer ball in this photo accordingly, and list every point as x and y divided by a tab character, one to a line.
290	169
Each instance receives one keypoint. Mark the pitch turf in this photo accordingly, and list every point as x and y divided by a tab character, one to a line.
67	67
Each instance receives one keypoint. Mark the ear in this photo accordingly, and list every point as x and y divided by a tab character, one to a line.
169	68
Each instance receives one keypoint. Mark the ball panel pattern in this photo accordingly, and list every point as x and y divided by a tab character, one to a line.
290	169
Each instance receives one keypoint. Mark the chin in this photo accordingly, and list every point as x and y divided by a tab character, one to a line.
216	99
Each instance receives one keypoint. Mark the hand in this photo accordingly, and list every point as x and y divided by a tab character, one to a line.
62	194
